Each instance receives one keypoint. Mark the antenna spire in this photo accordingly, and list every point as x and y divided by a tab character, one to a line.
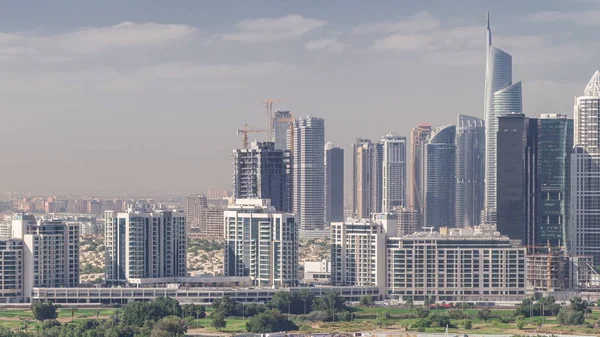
489	30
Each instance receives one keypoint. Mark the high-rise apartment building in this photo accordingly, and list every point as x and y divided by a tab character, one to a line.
367	178
11	270
144	243
501	97
358	253
281	126
263	172
393	172
309	172
50	254
416	194
334	183
456	265
195	213
214	223
261	243
440	178
584	229
470	170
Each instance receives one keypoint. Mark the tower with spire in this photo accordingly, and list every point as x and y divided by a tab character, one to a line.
501	97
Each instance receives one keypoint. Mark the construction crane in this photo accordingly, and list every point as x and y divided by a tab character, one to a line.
245	131
269	106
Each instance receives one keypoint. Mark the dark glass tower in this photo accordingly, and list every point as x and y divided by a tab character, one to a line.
440	178
334	183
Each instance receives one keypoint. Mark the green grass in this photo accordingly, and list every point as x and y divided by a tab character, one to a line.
233	325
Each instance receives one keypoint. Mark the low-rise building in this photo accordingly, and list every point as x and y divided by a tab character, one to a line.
456	265
317	271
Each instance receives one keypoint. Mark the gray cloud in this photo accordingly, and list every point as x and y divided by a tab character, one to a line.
273	29
583	17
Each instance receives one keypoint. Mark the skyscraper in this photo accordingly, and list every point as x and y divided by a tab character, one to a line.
367	182
584	231
195	213
416	197
334	183
261	243
281	125
440	178
309	172
470	170
393	172
516	176
501	96
555	144
144	243
263	172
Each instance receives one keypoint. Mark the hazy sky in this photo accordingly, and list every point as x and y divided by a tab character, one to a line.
146	96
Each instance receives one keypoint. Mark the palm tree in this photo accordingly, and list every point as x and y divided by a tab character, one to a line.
25	323
97	313
73	310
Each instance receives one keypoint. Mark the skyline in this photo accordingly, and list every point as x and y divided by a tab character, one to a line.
88	98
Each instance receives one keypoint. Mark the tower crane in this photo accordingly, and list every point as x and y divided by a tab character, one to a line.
245	131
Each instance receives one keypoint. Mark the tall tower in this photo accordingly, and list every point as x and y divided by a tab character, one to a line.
334	183
309	172
418	137
584	231
367	184
440	178
263	172
393	172
470	170
501	96
195	213
281	125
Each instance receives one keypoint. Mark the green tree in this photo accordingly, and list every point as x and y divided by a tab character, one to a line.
521	323
73	310
225	305
331	301
484	314
467	324
382	320
193	310
569	316
270	321
167	306
281	300
218	320
367	301
43	311
172	325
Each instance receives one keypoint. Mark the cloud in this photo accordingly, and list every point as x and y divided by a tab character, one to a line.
188	70
419	22
331	45
586	17
273	29
64	46
457	38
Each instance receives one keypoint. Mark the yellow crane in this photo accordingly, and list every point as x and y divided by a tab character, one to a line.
245	131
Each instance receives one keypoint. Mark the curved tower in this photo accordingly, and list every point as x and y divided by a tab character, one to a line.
501	96
440	178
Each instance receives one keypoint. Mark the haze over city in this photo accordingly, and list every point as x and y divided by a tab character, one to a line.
104	97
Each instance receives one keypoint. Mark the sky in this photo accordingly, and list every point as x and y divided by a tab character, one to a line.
135	97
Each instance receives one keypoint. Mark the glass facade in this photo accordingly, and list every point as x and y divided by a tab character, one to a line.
440	178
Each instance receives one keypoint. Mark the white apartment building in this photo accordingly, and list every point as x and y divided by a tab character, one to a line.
144	243
11	271
456	265
261	243
358	253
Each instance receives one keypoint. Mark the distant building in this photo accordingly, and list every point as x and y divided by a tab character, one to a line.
358	253
367	181
501	97
393	172
11	270
317	271
470	170
440	178
584	235
218	194
309	172
261	243
214	223
334	183
456	265
416	193
263	172
281	126
195	213
144	243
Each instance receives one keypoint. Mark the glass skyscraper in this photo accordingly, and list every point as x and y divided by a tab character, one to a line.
501	96
470	170
584	231
393	172
440	178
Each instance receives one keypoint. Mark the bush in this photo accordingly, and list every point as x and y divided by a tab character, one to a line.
467	324
521	324
569	316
